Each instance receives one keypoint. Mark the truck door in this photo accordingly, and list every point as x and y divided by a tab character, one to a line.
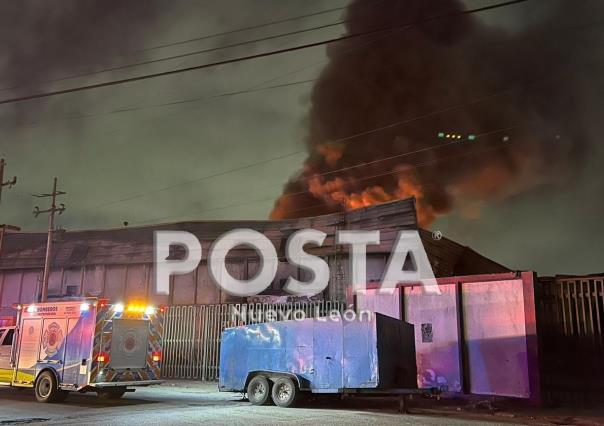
129	344
76	355
327	346
28	350
53	344
6	344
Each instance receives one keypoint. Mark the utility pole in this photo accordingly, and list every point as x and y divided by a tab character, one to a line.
9	183
51	222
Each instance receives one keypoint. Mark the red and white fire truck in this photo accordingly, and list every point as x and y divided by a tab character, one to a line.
86	345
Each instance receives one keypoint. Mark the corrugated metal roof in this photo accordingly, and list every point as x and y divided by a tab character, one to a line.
134	245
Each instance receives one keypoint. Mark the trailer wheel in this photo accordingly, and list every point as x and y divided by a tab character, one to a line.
285	393
259	391
47	388
112	393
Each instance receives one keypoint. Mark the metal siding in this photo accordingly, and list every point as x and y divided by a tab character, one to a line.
72	278
93	280
266	346
312	348
55	282
207	292
234	369
299	350
115	283
328	356
11	288
184	289
152	296
136	283
29	287
135	245
360	358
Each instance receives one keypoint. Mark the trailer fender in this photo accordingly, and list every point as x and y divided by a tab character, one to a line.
301	382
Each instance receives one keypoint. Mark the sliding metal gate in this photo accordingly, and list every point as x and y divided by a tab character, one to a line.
571	333
192	332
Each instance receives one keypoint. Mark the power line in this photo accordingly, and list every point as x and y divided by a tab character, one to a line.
260	85
258	88
345	139
225	172
366	177
238	30
188	54
172	103
206	50
253	89
480	135
204	37
444	158
254	56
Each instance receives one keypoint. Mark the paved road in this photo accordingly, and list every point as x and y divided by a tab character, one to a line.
175	404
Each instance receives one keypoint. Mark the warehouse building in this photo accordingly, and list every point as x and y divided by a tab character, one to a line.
117	264
486	316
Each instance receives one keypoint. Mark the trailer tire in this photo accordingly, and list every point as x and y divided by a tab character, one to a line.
47	388
285	393
259	391
111	394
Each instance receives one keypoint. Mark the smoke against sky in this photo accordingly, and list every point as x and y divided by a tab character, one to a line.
107	159
516	91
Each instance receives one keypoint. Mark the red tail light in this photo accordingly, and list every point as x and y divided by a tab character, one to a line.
156	356
103	358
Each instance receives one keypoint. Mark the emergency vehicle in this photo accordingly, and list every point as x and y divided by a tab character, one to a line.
86	345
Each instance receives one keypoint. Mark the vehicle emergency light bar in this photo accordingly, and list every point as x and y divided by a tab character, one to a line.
118	307
136	308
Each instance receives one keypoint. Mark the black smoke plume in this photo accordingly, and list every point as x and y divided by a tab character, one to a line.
528	96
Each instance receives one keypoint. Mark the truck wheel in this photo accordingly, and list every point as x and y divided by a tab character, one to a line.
112	393
285	393
259	391
47	389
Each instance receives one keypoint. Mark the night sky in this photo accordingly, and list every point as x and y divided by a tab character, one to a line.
123	156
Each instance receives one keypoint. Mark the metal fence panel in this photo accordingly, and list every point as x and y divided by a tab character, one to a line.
192	332
570	314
